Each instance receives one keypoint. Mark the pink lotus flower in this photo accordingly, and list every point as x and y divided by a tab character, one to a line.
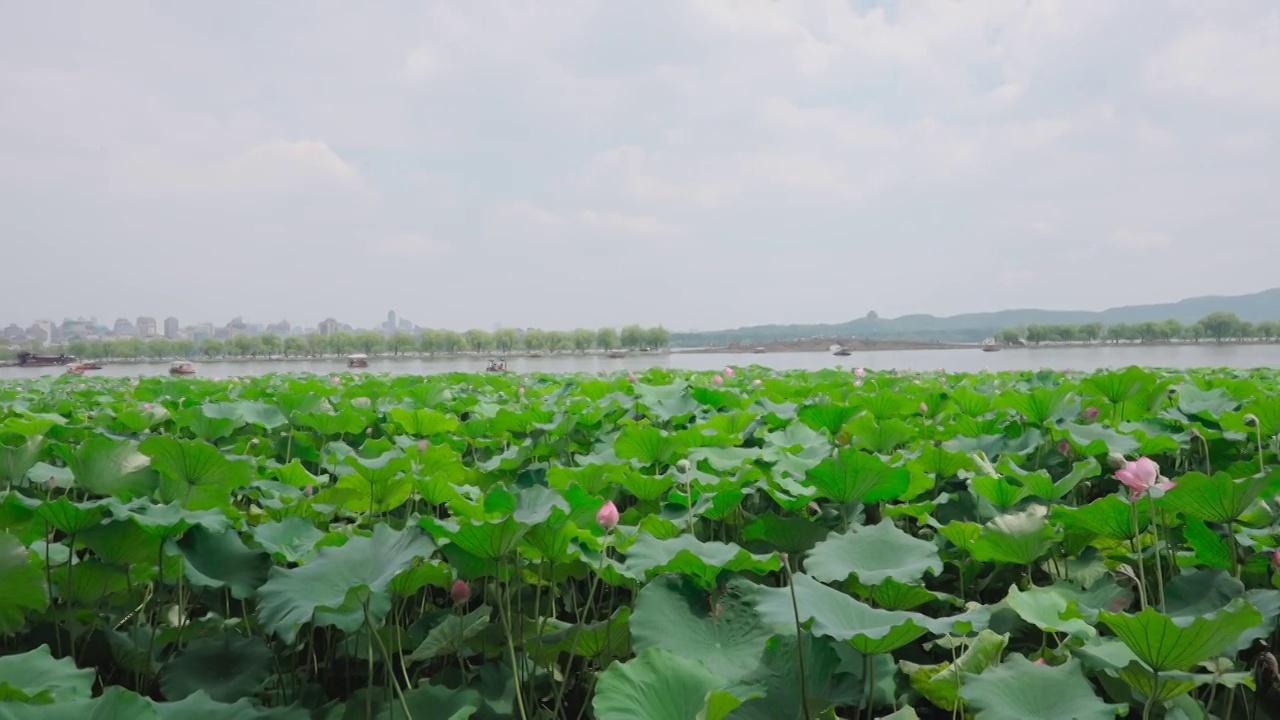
422	445
857	383
757	382
1064	447
631	377
717	380
1142	476
308	491
924	409
460	592
728	372
336	380
368	432
1275	559
1040	661
1091	414
146	406
859	372
52	482
521	391
607	518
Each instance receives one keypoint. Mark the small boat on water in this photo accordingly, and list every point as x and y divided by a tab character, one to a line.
497	366
842	352
358	361
29	359
535	353
990	346
759	351
91	365
617	354
182	367
80	368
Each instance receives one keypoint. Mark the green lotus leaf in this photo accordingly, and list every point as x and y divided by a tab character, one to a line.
1018	689
18	458
873	554
702	561
647	445
1209	404
423	423
252	412
22	585
1111	517
1017	538
111	467
1207	546
37	677
452	634
292	540
869	630
656	685
114	703
209	429
364	566
604	639
857	476
826	416
1217	498
785	534
223	667
199	706
677	616
435	701
777	680
1047	608
218	560
1099	440
941	684
1165	643
71	517
188	467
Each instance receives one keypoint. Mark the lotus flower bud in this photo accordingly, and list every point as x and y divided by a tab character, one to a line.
1250	420
336	380
460	592
728	372
146	406
368	432
1064	447
682	465
857	383
757	382
812	508
308	491
1275	559
607	518
521	391
717	380
1091	414
1195	434
1039	661
52	482
924	409
631	377
422	445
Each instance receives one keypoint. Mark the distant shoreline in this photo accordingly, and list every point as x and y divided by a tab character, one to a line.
824	345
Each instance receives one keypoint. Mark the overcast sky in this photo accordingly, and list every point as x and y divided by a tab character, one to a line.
695	163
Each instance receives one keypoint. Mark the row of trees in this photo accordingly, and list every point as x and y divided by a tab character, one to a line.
429	342
1218	326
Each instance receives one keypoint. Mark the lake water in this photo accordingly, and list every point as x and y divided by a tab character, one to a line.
965	360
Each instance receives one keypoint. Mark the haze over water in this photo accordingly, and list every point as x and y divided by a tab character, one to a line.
965	360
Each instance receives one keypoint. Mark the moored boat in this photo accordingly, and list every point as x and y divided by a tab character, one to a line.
496	365
358	361
617	354
990	346
182	367
29	359
80	368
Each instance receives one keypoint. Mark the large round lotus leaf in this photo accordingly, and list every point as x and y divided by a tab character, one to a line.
225	668
111	467
217	560
201	707
687	555
857	476
365	565
655	685
1019	689
36	676
836	615
115	703
22	587
675	616
435	702
1165	643
874	554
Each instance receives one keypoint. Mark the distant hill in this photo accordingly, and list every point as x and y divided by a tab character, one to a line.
974	327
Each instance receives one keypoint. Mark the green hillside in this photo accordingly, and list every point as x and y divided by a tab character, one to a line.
974	327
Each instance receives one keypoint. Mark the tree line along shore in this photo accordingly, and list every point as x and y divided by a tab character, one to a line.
425	342
1216	327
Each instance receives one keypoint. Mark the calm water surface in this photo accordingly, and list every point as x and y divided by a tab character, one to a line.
966	360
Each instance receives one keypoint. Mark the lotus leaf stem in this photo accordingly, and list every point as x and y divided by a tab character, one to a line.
1155	538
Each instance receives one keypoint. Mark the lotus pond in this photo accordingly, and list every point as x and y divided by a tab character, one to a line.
750	545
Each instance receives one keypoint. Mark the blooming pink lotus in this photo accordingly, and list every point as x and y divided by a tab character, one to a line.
859	372
336	379
717	380
757	382
607	518
631	377
460	592
422	445
1142	476
728	372
146	406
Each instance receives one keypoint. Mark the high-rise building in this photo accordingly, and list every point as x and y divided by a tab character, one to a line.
123	328
329	326
171	327
146	327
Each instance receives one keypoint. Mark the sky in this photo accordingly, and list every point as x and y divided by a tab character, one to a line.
693	163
